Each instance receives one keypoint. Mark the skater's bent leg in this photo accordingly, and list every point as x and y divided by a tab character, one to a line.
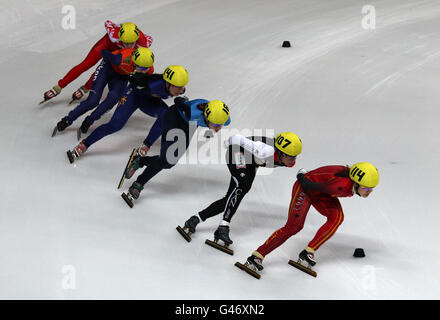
102	74
116	123
218	206
156	165
330	208
91	59
166	160
146	161
298	209
116	90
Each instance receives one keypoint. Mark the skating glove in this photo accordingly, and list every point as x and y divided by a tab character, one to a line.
301	171
139	80
114	59
143	150
182	106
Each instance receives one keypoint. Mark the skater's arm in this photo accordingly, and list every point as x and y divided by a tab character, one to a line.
114	59
154	134
334	187
259	149
182	106
139	80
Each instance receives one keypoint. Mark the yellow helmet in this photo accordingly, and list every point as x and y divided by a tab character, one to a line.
216	112
143	57
288	143
128	32
176	75
364	174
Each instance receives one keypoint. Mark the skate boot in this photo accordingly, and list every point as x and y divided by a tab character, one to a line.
308	257
191	224
188	228
132	167
135	190
63	124
77	151
222	233
85	125
51	93
78	94
133	193
83	129
253	264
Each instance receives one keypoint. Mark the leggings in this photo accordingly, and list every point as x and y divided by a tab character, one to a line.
329	207
170	150
91	59
128	104
239	186
105	74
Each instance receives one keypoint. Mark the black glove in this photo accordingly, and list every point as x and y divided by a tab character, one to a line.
301	171
180	100
180	104
139	80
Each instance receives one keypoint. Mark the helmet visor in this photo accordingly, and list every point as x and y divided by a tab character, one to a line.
214	125
142	68
366	188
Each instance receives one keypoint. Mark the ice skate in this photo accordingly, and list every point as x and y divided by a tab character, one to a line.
251	266
61	126
77	151
130	159
189	228
78	94
132	194
51	93
222	233
308	258
132	167
85	125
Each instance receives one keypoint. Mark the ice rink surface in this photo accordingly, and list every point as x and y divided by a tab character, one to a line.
352	94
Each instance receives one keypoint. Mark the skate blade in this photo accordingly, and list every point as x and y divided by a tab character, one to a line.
184	234
247	270
71	101
70	156
127	199
130	159
54	131
219	247
303	268
78	134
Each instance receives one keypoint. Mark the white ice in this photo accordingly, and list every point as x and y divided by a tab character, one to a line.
352	94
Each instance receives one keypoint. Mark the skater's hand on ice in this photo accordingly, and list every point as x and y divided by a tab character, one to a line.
143	150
